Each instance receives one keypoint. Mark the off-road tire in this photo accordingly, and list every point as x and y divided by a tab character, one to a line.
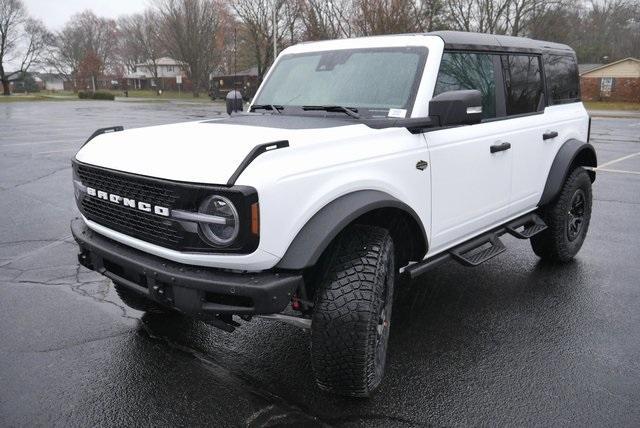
559	242
352	312
138	302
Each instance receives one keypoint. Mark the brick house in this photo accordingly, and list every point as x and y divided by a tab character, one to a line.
617	81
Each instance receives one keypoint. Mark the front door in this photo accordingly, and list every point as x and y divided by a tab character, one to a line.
471	166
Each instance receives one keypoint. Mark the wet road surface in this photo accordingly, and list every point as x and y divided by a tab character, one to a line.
512	342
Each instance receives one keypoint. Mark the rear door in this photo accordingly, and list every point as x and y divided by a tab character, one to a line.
539	135
471	182
525	104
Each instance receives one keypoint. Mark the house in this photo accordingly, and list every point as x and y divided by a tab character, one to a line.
246	81
52	81
616	81
170	75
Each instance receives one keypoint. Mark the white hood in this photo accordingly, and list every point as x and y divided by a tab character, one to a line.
199	152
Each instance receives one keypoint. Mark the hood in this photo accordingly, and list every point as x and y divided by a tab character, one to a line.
208	151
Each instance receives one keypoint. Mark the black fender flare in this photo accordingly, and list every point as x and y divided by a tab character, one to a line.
572	153
316	235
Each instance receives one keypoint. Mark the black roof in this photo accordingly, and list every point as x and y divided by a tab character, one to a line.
480	41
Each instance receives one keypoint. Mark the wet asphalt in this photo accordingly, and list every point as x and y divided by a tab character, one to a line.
512	342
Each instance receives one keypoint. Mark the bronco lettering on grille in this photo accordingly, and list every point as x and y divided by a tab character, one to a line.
132	203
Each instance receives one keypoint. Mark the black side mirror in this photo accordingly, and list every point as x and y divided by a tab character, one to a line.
457	107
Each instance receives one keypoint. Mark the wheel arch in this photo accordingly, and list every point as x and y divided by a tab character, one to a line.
364	206
572	153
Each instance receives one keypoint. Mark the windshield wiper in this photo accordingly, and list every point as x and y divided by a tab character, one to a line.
273	108
350	111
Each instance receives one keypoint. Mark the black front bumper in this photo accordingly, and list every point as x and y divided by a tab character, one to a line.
197	291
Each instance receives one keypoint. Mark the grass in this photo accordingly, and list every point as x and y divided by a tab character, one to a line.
606	105
35	97
133	95
166	95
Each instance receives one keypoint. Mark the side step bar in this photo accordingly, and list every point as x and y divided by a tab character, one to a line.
483	247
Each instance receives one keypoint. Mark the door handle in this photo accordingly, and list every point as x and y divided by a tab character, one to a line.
549	135
500	147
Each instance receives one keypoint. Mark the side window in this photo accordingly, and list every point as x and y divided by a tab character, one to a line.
469	71
523	84
561	72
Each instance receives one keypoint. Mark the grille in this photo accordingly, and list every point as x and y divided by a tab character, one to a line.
130	221
153	228
137	188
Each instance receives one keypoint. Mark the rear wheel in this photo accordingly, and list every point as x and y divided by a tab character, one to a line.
352	313
138	302
567	218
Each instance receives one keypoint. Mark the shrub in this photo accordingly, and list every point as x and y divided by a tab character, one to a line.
104	96
96	96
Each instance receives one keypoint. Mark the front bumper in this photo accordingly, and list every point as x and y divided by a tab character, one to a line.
196	291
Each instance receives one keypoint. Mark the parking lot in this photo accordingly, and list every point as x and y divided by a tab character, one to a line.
512	342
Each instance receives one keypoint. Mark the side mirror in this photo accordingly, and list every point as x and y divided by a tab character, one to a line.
457	107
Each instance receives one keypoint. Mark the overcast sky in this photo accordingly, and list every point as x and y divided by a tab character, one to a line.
54	13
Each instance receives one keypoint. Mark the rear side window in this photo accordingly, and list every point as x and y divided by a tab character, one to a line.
460	70
561	72
523	84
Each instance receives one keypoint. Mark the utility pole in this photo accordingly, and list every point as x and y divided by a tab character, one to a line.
275	43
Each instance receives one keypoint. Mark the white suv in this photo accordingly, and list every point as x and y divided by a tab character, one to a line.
361	161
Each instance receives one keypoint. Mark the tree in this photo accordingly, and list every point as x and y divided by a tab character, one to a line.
189	29
326	19
140	41
85	38
22	40
256	17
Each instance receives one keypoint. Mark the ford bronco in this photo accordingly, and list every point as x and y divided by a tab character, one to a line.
359	163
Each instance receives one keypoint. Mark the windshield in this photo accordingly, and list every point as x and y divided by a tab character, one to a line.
374	82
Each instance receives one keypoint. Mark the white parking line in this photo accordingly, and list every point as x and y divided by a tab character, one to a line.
56	151
621	171
617	160
35	143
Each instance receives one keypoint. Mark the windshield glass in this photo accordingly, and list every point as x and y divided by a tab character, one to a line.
373	81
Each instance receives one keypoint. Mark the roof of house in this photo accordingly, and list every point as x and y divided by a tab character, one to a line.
253	72
165	60
603	66
583	68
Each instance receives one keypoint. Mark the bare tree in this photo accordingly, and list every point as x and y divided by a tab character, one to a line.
256	17
189	31
141	41
327	19
374	17
85	39
22	40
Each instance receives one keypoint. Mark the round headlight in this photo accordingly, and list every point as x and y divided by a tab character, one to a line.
225	232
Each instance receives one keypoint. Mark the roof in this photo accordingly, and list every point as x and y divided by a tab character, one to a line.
165	60
253	71
583	68
492	42
603	66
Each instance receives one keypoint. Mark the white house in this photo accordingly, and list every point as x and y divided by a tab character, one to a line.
142	77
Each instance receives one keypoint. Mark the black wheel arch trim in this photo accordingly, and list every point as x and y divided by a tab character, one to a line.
570	152
316	235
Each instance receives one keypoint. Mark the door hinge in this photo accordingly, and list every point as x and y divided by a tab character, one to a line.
422	165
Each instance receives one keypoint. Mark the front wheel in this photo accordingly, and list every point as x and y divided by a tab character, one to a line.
567	218
352	313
